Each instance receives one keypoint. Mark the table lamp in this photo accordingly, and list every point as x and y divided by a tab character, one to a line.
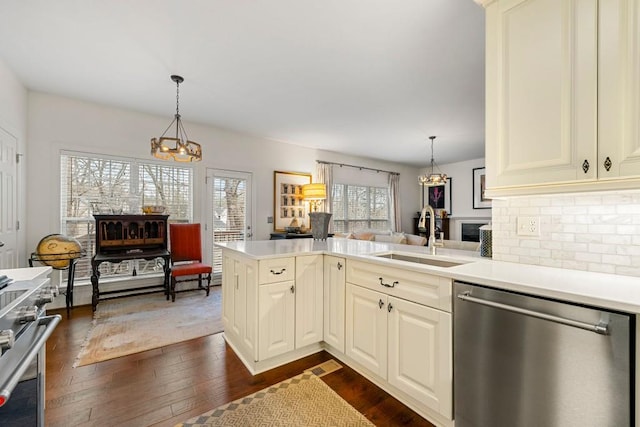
315	193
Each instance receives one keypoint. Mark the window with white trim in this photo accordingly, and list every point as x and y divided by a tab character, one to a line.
103	184
358	207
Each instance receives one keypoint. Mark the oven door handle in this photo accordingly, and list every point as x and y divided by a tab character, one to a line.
50	323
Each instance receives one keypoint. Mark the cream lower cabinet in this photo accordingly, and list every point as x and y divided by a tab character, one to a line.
334	301
398	327
239	301
276	321
405	343
290	311
367	328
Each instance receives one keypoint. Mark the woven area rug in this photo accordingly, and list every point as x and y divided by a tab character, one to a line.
134	324
304	400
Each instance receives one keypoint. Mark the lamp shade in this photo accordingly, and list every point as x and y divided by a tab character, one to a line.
314	191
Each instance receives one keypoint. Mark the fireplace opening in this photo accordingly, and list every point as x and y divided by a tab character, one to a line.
470	231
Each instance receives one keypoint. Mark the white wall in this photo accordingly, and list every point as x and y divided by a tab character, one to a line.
13	119
462	193
57	123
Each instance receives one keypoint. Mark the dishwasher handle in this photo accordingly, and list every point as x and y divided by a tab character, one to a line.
601	328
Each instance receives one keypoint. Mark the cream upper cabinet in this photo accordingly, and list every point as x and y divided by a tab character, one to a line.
541	89
334	301
619	88
562	95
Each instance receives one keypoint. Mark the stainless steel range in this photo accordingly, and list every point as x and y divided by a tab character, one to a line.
24	330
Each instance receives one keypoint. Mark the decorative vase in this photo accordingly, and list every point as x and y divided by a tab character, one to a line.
320	225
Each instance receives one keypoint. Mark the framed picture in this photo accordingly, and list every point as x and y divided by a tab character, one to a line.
479	185
287	199
439	198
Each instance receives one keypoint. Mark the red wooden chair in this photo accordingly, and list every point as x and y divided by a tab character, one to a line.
186	257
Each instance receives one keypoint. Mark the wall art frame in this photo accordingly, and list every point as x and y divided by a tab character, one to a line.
480	201
439	198
287	199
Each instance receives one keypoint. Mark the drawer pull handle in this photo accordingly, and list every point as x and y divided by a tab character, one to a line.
282	270
389	307
381	304
386	285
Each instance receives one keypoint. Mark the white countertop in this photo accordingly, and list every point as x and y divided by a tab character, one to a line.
599	289
26	274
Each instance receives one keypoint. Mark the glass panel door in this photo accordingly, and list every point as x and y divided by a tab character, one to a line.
229	194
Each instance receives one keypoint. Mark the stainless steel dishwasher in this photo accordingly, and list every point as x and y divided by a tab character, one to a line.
524	361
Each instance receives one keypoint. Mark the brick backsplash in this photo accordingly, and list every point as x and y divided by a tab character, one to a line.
593	231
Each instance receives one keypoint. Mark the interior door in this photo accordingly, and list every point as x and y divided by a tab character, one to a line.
9	203
229	216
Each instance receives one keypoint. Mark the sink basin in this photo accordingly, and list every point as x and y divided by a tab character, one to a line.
421	260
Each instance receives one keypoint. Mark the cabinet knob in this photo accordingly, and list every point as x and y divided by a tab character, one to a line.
585	166
292	288
380	303
389	307
339	266
607	164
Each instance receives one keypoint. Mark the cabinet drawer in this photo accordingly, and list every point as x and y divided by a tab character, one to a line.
422	288
277	270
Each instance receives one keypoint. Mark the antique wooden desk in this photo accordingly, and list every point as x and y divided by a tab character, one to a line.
129	237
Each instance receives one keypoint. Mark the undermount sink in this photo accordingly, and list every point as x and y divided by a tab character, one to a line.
420	260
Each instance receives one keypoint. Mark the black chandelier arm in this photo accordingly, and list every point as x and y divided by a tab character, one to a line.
169	127
182	131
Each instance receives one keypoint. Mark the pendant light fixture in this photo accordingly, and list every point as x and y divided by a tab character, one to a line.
179	148
433	178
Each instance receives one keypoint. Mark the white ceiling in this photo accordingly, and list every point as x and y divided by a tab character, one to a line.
372	78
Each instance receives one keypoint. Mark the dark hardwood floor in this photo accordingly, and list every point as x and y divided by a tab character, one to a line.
169	385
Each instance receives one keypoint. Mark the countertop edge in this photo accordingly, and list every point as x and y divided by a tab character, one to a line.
616	292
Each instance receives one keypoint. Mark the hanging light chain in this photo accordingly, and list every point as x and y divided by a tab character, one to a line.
177	98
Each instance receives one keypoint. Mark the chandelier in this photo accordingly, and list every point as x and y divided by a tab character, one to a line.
179	148
433	178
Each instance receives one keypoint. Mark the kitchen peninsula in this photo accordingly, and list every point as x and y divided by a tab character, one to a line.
390	319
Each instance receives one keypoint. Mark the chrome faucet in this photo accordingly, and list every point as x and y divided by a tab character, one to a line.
432	227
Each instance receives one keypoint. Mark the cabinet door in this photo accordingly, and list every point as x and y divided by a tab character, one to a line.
229	280
541	88
309	300
244	303
276	319
334	297
366	324
619	88
420	354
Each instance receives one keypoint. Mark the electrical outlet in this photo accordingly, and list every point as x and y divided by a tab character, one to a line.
269	220
528	226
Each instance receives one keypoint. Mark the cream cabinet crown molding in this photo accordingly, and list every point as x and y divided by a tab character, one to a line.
484	3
